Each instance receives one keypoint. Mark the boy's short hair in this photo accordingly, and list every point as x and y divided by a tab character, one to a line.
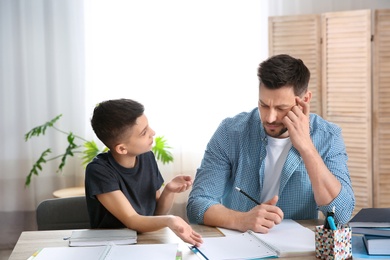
283	70
112	118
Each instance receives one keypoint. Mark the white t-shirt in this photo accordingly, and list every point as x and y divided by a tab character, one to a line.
277	150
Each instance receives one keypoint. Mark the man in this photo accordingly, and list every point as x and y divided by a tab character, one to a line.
293	162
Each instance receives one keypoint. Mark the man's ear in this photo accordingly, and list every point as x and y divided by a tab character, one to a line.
120	149
307	97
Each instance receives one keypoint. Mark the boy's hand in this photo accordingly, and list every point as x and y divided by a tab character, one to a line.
185	231
179	184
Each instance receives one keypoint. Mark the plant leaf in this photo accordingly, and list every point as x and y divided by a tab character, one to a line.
36	131
37	166
68	152
91	150
161	150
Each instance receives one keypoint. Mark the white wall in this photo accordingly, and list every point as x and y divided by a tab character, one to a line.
191	63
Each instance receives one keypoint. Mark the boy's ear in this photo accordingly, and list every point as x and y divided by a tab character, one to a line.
120	149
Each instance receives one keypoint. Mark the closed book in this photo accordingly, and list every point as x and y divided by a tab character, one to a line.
371	217
377	245
101	237
359	251
371	231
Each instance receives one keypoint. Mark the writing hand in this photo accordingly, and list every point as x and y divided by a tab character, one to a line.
263	217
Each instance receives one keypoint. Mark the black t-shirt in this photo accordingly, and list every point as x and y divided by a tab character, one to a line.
138	184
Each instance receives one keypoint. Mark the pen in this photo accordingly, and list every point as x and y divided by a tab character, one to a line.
331	223
246	195
329	214
196	251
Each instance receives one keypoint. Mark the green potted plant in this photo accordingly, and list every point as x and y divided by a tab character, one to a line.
88	149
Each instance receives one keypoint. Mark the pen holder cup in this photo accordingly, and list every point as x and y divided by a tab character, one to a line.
333	244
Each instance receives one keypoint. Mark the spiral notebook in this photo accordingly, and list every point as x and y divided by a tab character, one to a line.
289	238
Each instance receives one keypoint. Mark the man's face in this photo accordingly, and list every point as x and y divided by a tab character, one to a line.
273	107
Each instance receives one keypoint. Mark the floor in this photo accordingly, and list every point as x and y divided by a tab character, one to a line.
12	224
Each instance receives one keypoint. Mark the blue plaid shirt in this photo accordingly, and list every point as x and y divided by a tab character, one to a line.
234	157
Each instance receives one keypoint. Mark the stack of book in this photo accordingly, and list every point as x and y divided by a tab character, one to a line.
374	225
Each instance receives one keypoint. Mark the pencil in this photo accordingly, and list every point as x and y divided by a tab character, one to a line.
247	195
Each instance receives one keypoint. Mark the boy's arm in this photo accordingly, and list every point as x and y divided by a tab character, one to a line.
164	202
116	203
120	207
178	184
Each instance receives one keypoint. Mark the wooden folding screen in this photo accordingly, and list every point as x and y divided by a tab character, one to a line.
300	36
349	53
381	109
346	71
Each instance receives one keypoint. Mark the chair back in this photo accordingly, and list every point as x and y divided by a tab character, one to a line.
63	213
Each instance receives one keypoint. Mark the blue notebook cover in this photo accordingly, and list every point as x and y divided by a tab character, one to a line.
359	250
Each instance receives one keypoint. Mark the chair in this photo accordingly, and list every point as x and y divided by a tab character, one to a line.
63	213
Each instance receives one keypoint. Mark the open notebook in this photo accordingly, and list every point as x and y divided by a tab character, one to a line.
289	238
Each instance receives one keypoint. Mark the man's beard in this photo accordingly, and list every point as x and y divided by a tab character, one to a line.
278	134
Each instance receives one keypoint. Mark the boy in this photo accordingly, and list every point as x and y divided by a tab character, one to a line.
123	185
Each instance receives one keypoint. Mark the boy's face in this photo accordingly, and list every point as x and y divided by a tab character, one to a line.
139	138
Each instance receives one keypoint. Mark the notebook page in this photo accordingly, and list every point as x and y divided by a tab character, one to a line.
143	252
289	237
237	246
74	253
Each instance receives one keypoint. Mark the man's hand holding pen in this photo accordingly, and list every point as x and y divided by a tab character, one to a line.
262	217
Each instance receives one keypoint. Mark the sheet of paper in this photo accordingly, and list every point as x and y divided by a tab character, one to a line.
74	253
115	252
289	237
144	252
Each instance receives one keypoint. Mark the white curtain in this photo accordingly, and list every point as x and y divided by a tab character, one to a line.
41	76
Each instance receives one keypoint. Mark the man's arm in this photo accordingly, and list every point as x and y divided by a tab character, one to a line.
325	185
259	219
